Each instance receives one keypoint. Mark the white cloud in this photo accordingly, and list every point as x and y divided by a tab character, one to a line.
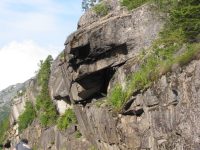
19	61
46	22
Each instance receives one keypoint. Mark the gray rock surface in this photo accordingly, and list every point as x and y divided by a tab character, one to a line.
50	138
164	117
101	53
18	103
94	52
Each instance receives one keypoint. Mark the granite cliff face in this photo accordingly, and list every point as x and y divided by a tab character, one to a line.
101	53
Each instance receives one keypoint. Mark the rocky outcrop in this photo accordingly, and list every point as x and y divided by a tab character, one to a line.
164	116
39	137
98	55
95	52
101	53
29	93
52	138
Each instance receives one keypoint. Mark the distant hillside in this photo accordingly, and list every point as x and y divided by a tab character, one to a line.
6	97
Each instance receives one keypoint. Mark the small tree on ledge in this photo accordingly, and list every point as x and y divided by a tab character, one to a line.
86	4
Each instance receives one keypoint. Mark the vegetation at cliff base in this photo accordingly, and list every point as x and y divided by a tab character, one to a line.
178	44
66	119
27	117
46	110
4	126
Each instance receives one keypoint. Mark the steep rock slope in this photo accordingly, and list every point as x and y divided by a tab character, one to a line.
94	53
99	55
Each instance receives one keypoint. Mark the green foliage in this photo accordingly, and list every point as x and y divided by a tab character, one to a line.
131	4
4	126
66	119
187	18
191	52
78	134
178	36
92	148
116	97
45	108
62	56
86	4
101	9
44	71
27	117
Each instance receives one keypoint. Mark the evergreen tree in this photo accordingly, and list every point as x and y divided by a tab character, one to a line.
86	4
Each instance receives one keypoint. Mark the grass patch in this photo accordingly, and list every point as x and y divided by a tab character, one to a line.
4	127
164	53
67	119
78	134
27	117
101	9
189	54
116	97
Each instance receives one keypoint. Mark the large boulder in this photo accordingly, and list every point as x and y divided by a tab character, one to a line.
95	51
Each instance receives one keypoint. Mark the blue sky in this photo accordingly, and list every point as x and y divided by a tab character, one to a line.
30	30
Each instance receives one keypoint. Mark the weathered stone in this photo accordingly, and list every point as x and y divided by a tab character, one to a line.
96	50
57	86
101	53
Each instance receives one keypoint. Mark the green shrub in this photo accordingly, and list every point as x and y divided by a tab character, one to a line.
78	134
101	9
187	18
131	4
181	29
116	97
27	117
190	53
4	127
62	56
45	108
44	71
66	119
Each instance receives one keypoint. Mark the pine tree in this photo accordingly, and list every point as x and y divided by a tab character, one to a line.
86	4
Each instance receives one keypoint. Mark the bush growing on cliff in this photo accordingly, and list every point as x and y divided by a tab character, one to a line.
66	119
131	4
45	108
179	36
86	4
44	71
101	9
27	117
116	97
4	126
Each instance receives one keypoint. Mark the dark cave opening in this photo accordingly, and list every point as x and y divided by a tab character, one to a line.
96	84
107	76
86	55
133	112
81	52
65	98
